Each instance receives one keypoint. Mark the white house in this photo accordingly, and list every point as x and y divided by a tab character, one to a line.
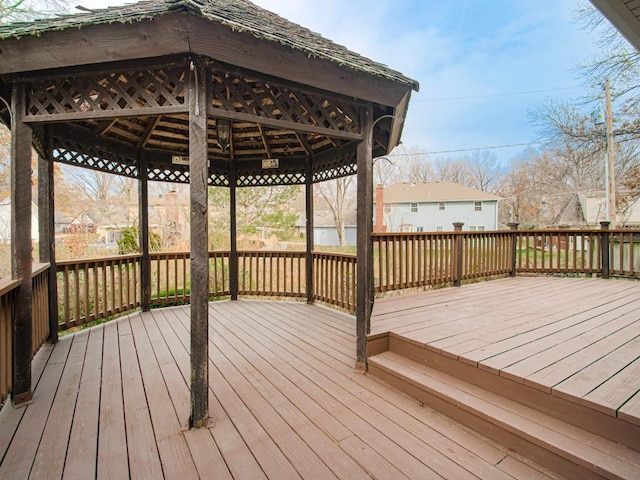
5	221
325	232
434	207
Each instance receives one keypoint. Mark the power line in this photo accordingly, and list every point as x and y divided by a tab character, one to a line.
473	149
505	94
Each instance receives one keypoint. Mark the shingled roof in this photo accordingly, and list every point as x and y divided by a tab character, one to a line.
239	15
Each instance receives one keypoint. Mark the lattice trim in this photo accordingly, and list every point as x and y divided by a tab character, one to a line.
94	157
270	100
262	180
133	90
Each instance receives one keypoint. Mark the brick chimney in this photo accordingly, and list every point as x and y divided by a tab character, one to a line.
379	226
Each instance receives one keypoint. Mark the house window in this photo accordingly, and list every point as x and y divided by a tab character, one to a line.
419	229
414	208
439	228
477	206
476	228
387	208
441	206
472	228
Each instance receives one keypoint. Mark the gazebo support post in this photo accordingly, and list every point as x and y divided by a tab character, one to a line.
21	252
365	246
233	234
46	237
143	234
308	189
198	183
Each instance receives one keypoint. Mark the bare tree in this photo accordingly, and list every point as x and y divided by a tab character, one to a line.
338	196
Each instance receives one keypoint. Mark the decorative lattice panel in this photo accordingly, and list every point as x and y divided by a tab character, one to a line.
263	180
270	100
94	157
334	167
142	89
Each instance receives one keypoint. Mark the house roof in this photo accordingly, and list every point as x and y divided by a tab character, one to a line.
239	15
624	15
424	192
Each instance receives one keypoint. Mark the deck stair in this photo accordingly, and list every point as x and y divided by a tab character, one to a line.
564	436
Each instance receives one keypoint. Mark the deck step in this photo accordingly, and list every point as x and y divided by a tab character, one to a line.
564	448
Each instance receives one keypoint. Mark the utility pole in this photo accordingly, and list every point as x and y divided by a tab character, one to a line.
609	169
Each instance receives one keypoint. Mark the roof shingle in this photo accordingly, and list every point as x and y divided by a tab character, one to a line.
239	15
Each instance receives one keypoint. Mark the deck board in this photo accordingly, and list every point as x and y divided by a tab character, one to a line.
285	402
574	338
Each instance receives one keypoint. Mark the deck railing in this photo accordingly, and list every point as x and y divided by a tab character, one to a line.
272	273
409	260
40	321
334	279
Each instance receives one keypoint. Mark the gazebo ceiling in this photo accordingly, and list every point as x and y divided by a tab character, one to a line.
109	85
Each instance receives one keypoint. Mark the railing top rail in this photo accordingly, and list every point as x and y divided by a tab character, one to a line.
7	285
293	253
114	258
334	254
38	268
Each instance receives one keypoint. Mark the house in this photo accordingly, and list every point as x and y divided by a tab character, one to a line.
433	207
5	220
588	209
325	232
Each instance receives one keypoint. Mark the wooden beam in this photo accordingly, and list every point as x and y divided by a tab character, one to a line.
283	124
233	231
21	253
364	253
106	114
308	185
46	235
143	234
198	175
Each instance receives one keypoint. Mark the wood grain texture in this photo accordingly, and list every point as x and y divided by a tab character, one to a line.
285	398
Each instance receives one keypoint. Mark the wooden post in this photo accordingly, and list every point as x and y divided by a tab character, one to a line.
308	185
143	234
233	234
198	185
514	247
21	251
364	274
46	238
457	261
604	248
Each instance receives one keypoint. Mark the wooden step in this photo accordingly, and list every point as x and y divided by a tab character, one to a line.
574	410
563	448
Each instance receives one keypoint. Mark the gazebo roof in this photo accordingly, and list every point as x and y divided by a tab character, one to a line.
239	15
106	86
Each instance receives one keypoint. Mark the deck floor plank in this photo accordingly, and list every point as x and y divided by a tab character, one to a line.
269	456
19	457
10	417
49	460
82	450
174	453
144	459
112	436
237	459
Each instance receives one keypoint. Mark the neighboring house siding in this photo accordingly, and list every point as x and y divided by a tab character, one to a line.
429	216
328	236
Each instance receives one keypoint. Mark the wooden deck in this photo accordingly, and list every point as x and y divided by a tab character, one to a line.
113	402
575	338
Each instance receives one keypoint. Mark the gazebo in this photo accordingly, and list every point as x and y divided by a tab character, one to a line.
205	92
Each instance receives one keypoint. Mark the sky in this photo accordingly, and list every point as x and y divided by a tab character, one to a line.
482	65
